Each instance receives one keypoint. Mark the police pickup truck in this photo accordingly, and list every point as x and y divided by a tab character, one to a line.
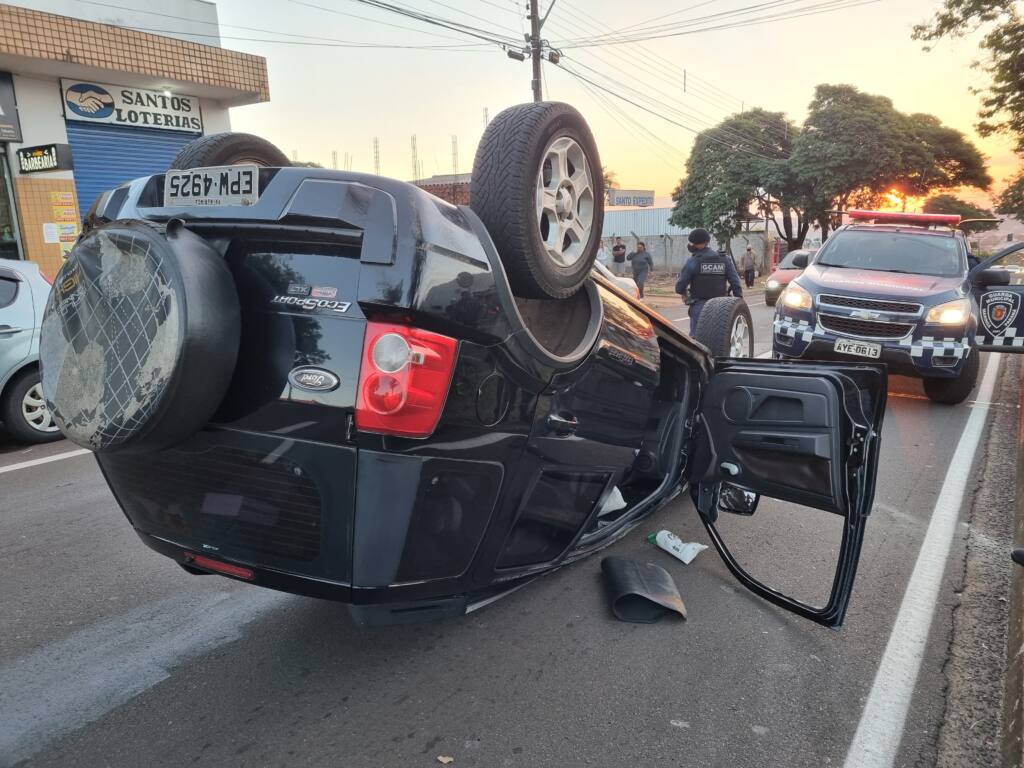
904	289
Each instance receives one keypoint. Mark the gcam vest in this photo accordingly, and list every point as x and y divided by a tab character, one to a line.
709	280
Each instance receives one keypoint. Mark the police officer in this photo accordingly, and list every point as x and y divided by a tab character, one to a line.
707	275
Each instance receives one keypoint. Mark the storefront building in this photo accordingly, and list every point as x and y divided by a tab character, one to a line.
86	105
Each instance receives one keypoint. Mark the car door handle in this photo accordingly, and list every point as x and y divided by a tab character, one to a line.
562	424
9	330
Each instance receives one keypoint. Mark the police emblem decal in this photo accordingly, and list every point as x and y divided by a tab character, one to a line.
998	311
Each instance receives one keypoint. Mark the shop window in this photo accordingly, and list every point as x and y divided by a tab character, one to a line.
8	225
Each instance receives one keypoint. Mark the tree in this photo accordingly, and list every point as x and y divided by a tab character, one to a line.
735	167
610	182
952	204
855	147
1002	101
1011	201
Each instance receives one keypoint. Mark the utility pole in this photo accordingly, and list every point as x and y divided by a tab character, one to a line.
376	156
415	160
487	117
535	49
334	159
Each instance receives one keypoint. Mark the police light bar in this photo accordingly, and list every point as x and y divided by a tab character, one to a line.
896	217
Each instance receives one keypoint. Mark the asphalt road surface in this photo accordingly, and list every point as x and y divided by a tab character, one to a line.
112	655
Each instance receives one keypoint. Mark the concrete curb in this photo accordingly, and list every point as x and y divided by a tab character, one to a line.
1013	702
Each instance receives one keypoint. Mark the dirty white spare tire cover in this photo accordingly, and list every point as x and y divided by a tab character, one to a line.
139	338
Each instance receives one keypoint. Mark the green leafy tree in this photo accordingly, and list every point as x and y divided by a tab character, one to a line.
1011	201
735	169
947	203
855	147
610	182
1002	101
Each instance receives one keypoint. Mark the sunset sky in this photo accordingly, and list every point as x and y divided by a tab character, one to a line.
327	98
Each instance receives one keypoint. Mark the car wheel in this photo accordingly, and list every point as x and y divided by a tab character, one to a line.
955	391
24	410
140	337
229	149
725	327
538	187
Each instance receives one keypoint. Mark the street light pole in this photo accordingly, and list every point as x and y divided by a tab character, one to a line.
535	48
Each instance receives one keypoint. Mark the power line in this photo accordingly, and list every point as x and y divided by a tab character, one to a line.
701	92
257	29
311	44
828	7
663	117
456	26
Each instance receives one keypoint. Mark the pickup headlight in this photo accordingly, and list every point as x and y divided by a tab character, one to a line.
951	313
796	297
772	284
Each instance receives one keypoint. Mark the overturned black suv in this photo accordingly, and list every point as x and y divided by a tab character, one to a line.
338	385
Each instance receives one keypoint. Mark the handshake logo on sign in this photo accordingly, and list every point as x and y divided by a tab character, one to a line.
89	100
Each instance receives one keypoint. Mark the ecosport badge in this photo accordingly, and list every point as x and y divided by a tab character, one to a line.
313	379
998	311
312	304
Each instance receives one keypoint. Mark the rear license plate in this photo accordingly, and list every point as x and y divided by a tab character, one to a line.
226	185
859	348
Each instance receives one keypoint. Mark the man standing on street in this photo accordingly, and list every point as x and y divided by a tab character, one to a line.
747	265
619	257
643	265
706	275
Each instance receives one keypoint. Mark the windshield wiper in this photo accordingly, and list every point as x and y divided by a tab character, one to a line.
837	266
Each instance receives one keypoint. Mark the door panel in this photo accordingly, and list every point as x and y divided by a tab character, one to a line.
1000	314
802	434
17	322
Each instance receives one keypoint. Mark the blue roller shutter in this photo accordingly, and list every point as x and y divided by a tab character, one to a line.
107	155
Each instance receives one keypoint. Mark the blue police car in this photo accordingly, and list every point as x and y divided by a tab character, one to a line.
904	289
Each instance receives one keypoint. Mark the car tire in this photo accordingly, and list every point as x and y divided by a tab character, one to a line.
24	420
229	149
538	187
140	337
725	327
955	391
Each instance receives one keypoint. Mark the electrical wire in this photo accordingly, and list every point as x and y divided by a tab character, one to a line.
689	111
412	13
265	31
702	93
829	7
663	117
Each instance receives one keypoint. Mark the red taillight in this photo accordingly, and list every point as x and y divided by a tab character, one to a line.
209	564
403	380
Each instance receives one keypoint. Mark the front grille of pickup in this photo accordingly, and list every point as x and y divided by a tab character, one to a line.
866	329
878	305
232	499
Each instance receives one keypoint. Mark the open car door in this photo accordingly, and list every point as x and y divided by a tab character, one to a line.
998	286
783	476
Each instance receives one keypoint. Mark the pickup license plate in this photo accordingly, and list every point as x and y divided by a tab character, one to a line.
858	348
226	185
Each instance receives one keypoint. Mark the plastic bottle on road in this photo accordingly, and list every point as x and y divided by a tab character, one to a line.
675	546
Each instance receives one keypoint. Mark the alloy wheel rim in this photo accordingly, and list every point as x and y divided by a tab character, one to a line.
739	339
565	201
35	412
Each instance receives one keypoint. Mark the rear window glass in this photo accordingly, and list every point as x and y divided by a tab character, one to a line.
8	290
893	252
787	262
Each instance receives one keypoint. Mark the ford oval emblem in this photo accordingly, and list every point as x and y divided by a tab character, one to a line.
314	379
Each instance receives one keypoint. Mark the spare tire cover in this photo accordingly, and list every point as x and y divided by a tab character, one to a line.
139	338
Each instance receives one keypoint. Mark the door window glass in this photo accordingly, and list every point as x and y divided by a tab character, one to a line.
8	226
8	290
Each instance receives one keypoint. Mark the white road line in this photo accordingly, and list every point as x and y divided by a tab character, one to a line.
44	460
877	741
71	682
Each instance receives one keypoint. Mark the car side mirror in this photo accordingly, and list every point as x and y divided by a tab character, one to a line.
989	277
800	260
733	499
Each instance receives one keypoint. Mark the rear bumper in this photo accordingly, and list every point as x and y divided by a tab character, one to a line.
917	355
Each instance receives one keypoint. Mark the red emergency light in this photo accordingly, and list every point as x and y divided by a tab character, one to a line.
897	217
